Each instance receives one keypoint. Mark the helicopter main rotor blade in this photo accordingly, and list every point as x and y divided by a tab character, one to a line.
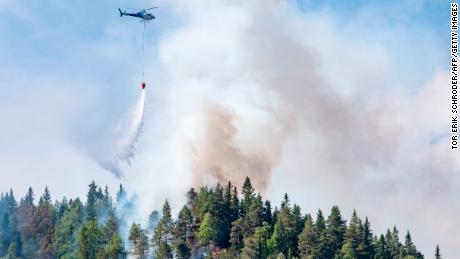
155	7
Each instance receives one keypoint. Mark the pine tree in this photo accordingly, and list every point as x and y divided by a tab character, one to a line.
381	249
43	225
235	204
236	236
335	232
229	215
46	197
111	227
267	213
253	216
409	247
392	240
307	239
121	194
365	248
217	209
107	200
248	195
25	213
320	232
13	242
91	202
297	225
437	254
283	239
163	234
207	233
25	209
62	207
91	239
275	214
261	237
139	240
116	248
66	234
183	229
353	235
69	229
280	238
29	198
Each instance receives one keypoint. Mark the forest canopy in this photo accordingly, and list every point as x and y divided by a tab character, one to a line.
216	222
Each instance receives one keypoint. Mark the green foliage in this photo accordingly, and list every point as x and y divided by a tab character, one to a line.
307	239
91	202
236	236
321	247
381	249
163	234
392	241
139	240
163	231
256	245
116	248
353	234
288	225
409	249
347	251
279	239
66	234
46	197
248	195
208	230
214	223
164	251
91	240
365	248
184	231
335	232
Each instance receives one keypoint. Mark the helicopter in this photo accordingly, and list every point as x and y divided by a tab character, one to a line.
143	14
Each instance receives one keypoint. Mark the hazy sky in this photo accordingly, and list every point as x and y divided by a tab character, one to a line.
340	103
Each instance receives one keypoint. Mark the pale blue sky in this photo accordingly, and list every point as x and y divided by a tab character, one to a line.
59	37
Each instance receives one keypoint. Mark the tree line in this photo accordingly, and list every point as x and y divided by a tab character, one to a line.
216	222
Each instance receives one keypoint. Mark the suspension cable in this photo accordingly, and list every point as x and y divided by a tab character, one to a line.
143	54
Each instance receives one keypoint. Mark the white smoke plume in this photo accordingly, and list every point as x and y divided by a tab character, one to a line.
117	147
292	100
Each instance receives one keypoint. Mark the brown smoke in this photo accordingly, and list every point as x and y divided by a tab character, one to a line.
358	139
218	157
283	67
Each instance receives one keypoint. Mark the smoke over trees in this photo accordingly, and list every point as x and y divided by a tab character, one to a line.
216	222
